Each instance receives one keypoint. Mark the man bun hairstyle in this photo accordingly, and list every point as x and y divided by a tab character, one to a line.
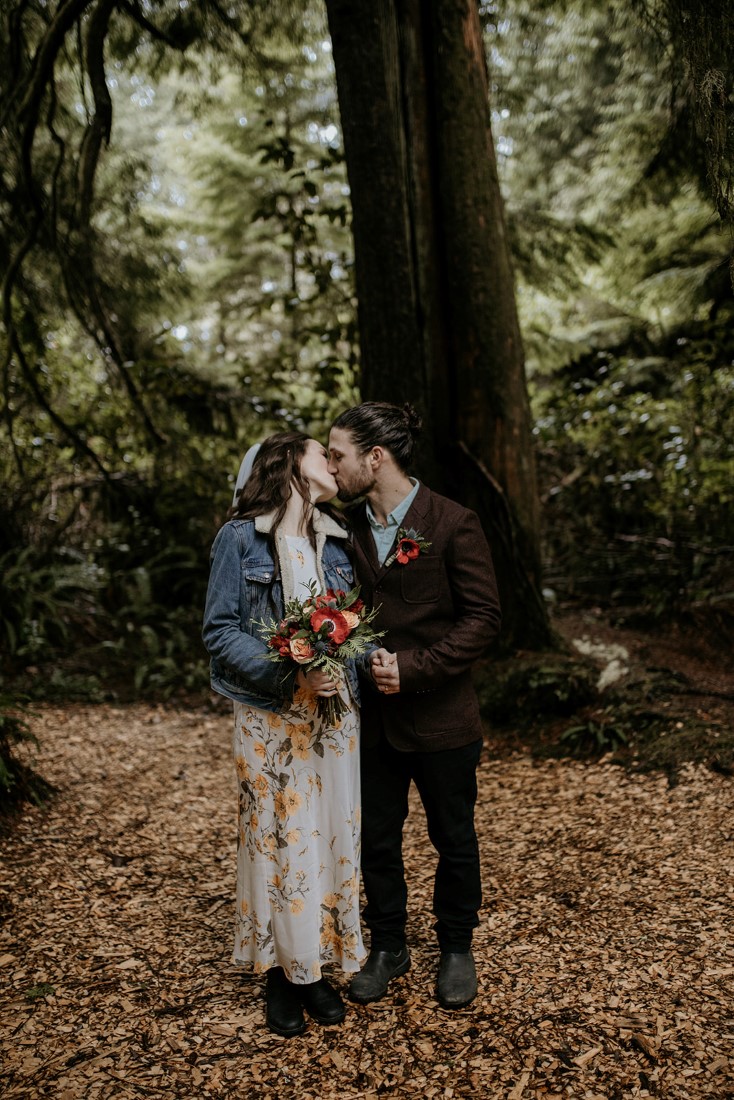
380	424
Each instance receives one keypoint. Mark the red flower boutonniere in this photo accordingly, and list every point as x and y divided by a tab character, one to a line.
409	545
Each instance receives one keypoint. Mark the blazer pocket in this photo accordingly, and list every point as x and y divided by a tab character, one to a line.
420	580
450	707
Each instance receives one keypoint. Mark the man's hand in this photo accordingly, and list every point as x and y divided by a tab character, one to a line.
385	672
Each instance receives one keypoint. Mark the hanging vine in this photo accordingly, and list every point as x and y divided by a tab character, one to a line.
50	165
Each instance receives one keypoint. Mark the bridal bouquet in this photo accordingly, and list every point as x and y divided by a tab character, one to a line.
322	631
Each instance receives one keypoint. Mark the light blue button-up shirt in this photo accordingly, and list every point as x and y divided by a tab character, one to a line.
384	536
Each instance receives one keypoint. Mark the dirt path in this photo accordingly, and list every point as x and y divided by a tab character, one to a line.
606	951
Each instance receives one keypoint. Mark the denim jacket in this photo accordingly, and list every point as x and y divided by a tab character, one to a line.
246	586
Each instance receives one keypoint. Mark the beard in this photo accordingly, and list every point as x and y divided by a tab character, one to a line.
361	484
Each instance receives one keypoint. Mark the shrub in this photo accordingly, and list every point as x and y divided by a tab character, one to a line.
18	782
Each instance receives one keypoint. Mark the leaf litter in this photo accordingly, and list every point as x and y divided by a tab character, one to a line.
605	952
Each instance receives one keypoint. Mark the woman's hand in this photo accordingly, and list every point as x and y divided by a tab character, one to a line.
385	671
317	681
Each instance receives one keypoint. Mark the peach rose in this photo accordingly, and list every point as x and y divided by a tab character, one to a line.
352	620
301	650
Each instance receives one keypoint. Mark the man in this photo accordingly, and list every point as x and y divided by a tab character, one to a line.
424	561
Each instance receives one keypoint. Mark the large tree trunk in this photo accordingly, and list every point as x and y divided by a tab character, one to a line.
437	312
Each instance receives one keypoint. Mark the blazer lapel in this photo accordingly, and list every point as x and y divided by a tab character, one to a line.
415	517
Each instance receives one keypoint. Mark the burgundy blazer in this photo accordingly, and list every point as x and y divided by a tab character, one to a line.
440	612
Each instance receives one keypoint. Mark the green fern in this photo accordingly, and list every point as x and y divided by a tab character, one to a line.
18	782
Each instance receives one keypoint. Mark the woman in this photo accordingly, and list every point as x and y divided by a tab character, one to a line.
298	844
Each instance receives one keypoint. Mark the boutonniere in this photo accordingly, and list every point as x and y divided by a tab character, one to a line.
409	545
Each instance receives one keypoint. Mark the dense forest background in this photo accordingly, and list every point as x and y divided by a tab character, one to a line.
178	280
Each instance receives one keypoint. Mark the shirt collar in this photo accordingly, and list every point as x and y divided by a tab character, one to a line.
399	512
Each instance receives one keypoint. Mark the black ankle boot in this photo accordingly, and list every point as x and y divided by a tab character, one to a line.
322	1002
381	967
284	1013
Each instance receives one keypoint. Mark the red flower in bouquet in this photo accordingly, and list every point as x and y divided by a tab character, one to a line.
280	641
330	598
338	629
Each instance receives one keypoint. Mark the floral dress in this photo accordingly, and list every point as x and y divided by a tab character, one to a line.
299	830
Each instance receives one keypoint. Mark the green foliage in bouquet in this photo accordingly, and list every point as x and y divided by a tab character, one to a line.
322	632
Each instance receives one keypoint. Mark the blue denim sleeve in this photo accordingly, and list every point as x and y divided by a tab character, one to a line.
364	666
223	631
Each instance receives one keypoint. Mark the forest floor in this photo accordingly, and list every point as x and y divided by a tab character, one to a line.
605	951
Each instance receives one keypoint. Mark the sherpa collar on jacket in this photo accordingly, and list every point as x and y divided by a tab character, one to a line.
323	525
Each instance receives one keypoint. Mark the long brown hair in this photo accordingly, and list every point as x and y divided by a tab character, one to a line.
276	469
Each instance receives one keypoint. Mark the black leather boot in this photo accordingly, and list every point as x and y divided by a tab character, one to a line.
372	981
457	979
322	1002
284	1012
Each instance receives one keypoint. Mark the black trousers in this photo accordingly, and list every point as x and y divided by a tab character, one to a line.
447	784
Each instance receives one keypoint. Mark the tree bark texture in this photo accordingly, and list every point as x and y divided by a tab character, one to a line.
437	314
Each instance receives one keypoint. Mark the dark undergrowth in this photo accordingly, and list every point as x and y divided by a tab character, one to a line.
671	705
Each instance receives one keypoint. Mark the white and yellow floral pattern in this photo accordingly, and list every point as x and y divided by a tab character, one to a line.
298	843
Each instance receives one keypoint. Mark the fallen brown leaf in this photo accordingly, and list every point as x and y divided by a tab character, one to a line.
605	954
